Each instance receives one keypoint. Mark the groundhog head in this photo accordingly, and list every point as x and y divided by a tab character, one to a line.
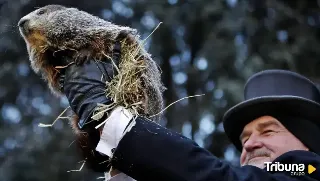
54	31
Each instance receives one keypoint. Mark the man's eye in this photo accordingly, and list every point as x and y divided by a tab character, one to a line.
267	131
244	141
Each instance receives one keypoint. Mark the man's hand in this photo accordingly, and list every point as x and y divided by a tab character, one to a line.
85	87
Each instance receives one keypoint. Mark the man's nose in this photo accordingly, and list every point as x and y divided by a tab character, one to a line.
22	22
252	143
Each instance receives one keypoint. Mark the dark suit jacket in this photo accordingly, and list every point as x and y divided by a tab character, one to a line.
150	152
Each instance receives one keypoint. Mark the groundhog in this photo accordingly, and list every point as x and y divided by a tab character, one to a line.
54	31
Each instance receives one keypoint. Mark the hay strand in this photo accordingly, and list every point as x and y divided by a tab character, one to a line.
59	117
71	143
99	125
152	32
79	168
174	103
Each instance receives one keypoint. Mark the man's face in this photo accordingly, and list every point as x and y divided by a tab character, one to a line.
264	139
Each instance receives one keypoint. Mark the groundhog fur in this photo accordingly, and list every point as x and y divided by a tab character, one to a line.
54	31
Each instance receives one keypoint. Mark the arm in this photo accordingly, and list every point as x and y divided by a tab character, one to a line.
151	152
148	151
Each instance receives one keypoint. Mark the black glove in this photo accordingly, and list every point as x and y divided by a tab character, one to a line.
85	87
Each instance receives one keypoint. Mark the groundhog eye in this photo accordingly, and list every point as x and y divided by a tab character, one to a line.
42	11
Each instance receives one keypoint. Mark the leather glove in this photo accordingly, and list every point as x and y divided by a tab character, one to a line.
84	86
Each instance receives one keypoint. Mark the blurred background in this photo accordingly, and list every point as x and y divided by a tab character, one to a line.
203	47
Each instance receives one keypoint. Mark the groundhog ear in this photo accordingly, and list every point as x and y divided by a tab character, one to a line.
125	33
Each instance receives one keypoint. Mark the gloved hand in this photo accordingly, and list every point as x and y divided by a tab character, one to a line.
85	87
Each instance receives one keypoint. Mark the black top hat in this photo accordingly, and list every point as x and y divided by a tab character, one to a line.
276	93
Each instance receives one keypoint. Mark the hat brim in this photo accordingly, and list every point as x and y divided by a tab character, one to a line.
241	114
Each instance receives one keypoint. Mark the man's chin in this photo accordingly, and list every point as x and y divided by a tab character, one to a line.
258	161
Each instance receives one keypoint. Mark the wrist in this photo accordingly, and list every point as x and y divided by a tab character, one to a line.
113	130
113	172
87	109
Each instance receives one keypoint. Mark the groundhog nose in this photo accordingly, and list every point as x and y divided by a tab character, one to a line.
22	22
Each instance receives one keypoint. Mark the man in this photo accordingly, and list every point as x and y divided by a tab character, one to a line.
278	122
